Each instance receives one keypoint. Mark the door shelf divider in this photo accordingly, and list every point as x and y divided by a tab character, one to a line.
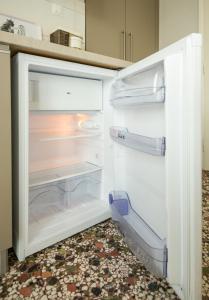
60	173
153	146
136	96
140	237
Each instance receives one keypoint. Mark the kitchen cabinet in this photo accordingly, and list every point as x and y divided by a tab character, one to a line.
5	158
141	28
105	27
126	29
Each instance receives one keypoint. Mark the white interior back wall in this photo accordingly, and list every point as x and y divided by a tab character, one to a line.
68	15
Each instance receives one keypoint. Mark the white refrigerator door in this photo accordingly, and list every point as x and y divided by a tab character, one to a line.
156	135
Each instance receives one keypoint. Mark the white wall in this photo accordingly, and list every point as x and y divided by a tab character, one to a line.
177	18
71	17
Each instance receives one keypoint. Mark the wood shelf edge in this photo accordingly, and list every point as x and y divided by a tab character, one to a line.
47	49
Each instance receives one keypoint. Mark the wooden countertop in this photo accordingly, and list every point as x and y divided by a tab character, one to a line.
44	48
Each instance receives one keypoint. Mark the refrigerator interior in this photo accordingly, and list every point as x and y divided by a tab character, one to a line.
65	167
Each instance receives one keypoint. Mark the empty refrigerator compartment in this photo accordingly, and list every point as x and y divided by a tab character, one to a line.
63	138
140	88
150	249
63	126
150	145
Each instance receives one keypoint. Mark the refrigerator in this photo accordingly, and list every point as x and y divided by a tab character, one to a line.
91	143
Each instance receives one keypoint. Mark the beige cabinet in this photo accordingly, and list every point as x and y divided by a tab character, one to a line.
141	28
105	27
126	29
5	158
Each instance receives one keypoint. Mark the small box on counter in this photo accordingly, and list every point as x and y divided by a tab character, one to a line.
60	37
75	41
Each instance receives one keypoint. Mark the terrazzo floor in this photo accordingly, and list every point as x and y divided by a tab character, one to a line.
94	264
205	236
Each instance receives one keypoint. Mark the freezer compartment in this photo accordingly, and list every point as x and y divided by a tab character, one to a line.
55	193
142	240
153	146
140	88
57	92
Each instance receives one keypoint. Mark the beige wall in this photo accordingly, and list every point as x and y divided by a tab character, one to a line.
177	18
70	18
204	29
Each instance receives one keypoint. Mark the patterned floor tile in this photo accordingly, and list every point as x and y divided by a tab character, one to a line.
94	264
205	235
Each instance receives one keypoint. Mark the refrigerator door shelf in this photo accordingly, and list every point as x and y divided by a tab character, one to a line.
144	87
56	174
142	240
139	96
153	146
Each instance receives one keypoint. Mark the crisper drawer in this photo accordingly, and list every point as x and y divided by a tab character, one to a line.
56	195
56	92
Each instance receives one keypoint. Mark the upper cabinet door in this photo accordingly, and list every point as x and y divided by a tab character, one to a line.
141	28
105	27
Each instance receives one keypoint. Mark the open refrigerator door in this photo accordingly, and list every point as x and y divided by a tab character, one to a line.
156	134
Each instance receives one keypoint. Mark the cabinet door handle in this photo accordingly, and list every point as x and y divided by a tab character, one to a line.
131	46
124	44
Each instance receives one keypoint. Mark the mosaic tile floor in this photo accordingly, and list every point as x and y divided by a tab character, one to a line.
205	236
94	264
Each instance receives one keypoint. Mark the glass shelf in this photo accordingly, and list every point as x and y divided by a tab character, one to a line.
60	173
47	136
